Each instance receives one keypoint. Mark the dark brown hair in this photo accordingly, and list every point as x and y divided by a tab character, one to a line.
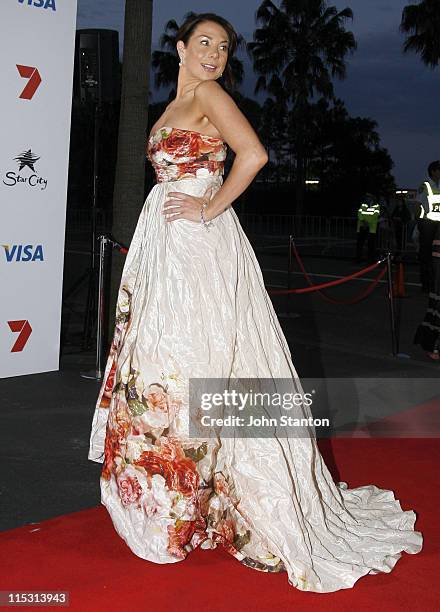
189	25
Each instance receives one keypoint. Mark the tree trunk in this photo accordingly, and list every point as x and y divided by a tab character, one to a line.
300	174
299	113
129	188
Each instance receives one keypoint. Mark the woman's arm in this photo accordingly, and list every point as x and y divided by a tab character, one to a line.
250	155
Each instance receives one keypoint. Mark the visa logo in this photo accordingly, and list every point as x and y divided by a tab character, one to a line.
23	252
40	3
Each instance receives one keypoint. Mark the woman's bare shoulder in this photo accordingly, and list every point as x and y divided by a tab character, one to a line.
220	108
207	89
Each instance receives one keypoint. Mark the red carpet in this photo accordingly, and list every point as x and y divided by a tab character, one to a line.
82	553
420	421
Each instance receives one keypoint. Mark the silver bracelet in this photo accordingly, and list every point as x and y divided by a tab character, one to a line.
206	224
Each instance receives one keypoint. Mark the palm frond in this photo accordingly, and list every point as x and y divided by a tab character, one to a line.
421	23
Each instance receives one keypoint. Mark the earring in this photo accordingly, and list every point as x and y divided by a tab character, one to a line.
182	61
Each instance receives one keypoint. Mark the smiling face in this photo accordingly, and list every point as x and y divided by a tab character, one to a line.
206	52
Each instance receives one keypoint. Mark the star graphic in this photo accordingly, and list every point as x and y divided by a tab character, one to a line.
26	159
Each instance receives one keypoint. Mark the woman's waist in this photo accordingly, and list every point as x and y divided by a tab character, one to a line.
179	171
190	183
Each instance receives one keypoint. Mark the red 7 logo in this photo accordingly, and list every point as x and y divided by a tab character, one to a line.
28	72
25	331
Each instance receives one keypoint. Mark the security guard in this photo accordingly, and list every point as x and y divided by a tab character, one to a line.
368	218
428	332
429	198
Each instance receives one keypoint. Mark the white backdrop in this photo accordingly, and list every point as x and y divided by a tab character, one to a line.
38	36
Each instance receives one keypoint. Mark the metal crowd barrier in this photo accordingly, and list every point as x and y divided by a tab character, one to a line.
328	236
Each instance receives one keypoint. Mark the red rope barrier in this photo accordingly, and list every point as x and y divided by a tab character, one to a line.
118	246
361	296
354	300
339	281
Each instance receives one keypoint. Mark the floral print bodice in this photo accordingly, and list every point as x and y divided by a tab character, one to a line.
176	154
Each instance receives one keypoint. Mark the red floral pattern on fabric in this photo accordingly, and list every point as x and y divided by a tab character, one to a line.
177	154
160	476
180	474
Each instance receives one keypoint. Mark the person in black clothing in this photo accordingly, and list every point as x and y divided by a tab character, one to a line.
427	227
428	332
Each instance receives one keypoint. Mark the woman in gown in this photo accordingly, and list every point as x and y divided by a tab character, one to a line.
192	304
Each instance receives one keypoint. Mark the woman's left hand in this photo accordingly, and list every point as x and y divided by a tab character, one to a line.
185	206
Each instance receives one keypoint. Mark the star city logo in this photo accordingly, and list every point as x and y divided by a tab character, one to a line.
44	4
31	73
24	331
26	161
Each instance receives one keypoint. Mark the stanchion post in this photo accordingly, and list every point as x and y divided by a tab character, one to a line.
103	240
395	348
98	373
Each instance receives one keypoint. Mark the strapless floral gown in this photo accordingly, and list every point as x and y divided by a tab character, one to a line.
192	303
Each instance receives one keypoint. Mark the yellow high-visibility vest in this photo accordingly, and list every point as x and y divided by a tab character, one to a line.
369	213
433	202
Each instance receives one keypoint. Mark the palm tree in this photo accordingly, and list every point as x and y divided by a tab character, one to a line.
128	194
347	154
273	123
166	63
421	22
304	44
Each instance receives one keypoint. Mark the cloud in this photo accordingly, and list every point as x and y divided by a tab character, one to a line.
102	14
100	10
401	94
